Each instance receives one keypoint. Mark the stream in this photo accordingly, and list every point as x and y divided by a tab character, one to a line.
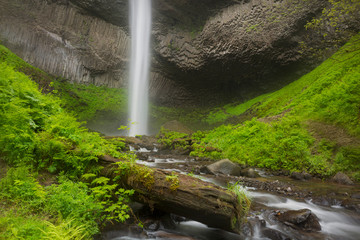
336	220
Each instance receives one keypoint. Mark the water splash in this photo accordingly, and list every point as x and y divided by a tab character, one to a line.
140	27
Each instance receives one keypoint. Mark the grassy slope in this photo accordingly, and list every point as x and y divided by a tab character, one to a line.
37	133
328	96
84	101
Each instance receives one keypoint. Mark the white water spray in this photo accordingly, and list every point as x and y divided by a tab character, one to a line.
140	27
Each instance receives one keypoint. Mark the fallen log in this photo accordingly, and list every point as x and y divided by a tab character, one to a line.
180	194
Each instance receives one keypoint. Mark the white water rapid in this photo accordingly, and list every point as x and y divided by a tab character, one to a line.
140	27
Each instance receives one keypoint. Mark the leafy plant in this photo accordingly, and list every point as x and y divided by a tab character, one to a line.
174	140
243	198
71	200
114	200
19	185
65	229
173	179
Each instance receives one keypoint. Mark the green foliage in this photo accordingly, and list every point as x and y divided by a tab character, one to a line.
173	140
337	23
329	94
37	131
173	179
86	100
39	76
19	185
113	199
134	172
67	202
282	144
72	201
14	225
65	229
243	197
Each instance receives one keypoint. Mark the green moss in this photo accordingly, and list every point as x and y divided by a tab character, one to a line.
87	100
136	173
173	179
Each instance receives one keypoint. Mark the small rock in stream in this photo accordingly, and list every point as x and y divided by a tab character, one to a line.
274	234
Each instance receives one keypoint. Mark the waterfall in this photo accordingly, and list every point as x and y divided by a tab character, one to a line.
140	28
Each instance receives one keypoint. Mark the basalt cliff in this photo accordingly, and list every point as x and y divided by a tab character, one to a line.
202	51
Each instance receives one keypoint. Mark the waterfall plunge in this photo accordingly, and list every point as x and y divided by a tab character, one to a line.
140	27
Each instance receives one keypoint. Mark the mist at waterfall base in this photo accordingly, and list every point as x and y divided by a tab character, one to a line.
140	27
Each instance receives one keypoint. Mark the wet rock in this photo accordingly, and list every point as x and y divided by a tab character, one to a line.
224	166
142	155
297	176
167	221
249	172
356	195
274	234
136	230
307	176
300	176
342	178
302	219
152	225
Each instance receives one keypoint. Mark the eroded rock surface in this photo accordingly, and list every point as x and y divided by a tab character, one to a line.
203	51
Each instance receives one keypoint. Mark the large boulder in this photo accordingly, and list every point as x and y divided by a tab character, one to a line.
342	178
301	219
224	166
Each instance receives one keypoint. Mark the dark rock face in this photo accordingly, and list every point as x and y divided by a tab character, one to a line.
203	50
302	219
65	41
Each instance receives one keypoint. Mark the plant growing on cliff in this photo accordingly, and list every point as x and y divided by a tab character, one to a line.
339	21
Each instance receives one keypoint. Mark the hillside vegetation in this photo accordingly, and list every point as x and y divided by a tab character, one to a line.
38	136
312	125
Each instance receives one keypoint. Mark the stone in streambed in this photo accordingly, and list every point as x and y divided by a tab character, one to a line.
303	219
224	166
342	178
300	176
274	234
249	172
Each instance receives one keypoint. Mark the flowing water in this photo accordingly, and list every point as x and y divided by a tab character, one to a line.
140	27
336	222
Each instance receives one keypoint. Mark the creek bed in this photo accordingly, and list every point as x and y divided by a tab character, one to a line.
336	221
